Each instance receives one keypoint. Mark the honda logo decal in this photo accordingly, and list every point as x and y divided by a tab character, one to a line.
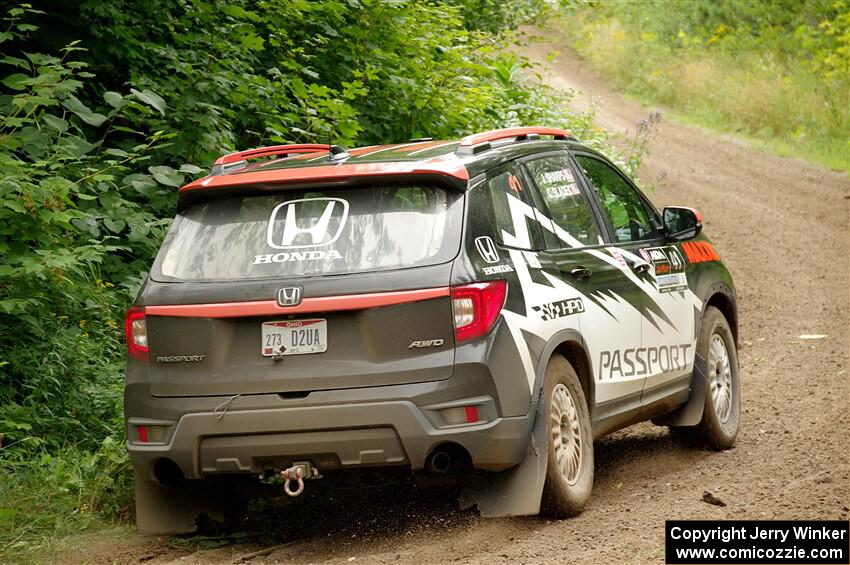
306	231
487	249
290	296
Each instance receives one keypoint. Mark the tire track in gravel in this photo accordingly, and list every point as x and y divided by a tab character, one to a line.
782	227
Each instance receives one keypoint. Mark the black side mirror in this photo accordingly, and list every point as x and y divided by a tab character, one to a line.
681	223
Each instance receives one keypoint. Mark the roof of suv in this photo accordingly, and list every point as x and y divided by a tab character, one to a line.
455	161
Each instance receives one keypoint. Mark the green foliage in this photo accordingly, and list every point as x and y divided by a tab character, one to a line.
253	73
47	496
351	71
71	217
495	16
777	70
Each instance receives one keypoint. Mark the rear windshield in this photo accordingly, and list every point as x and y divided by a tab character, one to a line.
315	232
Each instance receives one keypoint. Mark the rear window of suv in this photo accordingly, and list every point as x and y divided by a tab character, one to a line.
312	232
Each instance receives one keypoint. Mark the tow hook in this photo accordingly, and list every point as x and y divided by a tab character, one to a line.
299	471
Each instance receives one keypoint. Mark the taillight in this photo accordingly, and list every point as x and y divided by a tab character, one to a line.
457	415
476	308
146	433
136	331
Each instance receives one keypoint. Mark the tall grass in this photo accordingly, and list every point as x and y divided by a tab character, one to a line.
46	497
736	81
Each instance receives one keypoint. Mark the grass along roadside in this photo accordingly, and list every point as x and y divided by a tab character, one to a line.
48	499
780	147
764	92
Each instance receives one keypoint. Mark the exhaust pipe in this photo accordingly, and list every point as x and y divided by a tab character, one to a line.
168	473
439	462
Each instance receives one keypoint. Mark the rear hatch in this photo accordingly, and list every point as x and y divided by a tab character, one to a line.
353	261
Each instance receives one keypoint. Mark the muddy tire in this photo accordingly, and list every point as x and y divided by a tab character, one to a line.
569	470
721	415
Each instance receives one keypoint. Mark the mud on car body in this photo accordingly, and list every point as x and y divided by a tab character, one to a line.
486	307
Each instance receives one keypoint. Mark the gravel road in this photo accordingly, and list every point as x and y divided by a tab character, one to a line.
782	226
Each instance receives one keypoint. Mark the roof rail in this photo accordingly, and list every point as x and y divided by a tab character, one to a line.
240	158
479	142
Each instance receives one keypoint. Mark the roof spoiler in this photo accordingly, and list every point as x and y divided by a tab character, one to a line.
345	176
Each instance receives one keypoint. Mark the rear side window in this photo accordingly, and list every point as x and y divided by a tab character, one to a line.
509	198
570	210
316	232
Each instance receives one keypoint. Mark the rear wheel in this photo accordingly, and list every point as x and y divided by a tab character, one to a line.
722	413
569	470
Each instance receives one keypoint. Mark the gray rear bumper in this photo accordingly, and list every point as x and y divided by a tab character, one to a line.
332	436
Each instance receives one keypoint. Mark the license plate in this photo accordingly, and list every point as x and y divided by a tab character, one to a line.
294	337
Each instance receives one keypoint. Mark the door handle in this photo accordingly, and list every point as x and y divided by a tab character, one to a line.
581	273
641	266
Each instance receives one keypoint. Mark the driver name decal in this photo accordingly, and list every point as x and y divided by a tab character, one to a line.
669	267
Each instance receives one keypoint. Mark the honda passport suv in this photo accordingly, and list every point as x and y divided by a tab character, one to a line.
484	307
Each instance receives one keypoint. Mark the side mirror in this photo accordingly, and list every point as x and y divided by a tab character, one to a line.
681	223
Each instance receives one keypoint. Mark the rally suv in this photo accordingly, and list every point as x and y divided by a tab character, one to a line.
486	307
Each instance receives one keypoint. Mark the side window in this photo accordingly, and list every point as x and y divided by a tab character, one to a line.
504	184
569	207
626	210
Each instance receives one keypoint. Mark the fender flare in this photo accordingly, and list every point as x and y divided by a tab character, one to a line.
723	289
558	339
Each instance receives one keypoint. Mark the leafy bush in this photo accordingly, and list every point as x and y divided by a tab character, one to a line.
45	497
247	74
71	221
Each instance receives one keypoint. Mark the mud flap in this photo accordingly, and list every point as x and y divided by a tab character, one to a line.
517	491
164	510
691	413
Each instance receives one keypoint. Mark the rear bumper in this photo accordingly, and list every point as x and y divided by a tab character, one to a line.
370	426
331	436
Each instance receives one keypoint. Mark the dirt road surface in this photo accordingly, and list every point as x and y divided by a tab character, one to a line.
782	226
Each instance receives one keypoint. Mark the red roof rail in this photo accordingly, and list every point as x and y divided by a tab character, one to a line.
507	133
271	152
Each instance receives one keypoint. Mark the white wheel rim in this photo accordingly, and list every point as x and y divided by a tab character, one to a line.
720	374
566	434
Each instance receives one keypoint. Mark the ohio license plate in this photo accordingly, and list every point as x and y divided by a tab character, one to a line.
294	337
